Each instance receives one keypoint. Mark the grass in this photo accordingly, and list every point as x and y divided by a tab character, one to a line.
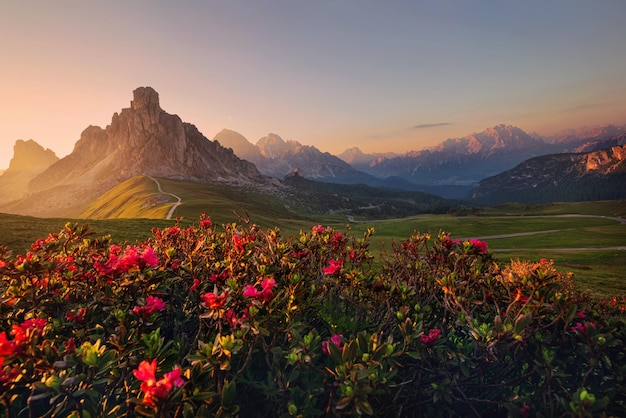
597	271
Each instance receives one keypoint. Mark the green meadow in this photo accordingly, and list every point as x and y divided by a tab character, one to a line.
588	246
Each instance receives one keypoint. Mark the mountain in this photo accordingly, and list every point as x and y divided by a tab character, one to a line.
597	175
275	157
360	160
602	143
141	139
579	136
463	161
240	145
29	160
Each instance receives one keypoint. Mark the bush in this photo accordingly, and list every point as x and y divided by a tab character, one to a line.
236	320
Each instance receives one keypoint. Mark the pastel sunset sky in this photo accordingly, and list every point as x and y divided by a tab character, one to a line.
380	75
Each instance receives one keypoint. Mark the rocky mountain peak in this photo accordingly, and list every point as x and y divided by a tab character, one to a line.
145	97
143	140
30	156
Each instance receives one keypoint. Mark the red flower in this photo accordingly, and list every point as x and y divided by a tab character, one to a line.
431	338
318	229
153	304
214	301
195	285
333	268
78	317
519	297
7	375
156	390
70	346
7	347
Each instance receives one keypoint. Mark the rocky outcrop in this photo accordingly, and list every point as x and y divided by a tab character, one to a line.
598	175
141	139
29	160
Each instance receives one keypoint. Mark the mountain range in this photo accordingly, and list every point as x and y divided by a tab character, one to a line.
498	164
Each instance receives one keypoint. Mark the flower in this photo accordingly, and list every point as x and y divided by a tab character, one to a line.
519	296
214	301
156	390
481	246
333	268
265	294
336	339
431	338
318	229
22	335
7	347
149	258
76	317
153	304
194	286
582	327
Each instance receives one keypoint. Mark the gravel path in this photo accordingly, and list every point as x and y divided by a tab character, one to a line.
178	200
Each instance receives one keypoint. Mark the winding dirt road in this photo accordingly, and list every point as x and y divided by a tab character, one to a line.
178	199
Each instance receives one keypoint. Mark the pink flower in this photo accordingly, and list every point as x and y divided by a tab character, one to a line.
431	338
265	294
336	339
333	268
318	229
481	246
250	292
149	258
153	304
583	327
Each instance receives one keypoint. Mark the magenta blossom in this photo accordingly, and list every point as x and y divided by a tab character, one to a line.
481	246
333	268
153	304
431	338
265	293
336	339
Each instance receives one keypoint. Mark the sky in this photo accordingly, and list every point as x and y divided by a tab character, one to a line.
381	75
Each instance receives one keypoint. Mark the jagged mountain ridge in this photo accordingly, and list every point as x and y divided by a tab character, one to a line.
596	175
275	157
465	160
29	160
141	139
360	160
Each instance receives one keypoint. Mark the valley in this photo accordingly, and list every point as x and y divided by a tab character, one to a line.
585	238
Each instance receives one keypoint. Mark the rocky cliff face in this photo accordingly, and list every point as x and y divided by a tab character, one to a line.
597	175
141	139
29	160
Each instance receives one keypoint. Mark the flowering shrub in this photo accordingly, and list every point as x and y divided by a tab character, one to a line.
237	320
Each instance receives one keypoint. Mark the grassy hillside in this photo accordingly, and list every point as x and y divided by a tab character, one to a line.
597	267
